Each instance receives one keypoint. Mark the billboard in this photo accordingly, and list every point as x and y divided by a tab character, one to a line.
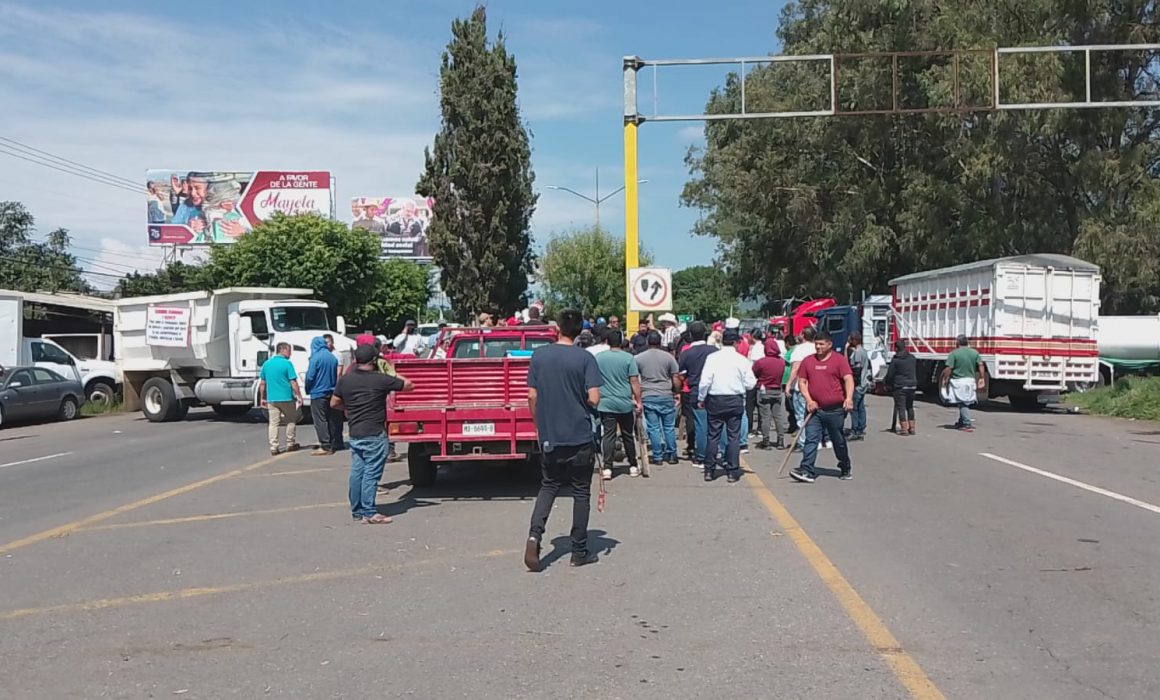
200	207
400	222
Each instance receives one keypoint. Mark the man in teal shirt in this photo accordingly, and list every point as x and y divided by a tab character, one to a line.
962	379
619	401
280	395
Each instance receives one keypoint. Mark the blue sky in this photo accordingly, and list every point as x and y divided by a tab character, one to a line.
347	86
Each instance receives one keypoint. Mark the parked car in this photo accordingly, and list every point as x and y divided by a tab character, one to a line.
28	393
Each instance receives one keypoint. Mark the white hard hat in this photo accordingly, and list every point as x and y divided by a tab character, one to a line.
732	322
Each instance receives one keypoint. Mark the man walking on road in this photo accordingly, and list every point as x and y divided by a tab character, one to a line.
770	370
281	397
725	379
660	382
827	387
563	389
620	401
801	351
363	393
962	380
321	378
691	364
859	361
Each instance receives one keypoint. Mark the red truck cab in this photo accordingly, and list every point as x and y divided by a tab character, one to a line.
471	405
802	317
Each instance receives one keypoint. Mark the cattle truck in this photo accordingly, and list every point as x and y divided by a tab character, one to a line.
207	348
1033	318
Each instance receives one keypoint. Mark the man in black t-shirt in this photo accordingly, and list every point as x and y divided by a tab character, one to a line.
363	392
563	389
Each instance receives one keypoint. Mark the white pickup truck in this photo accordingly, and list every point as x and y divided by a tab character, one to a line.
207	348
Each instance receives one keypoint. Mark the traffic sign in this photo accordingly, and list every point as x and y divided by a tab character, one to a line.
650	289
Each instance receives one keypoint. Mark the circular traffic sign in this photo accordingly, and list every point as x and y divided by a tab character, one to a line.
650	290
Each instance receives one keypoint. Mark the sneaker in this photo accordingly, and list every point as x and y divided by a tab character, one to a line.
709	475
967	428
532	554
634	471
320	452
744	450
583	559
700	466
856	437
607	473
803	476
672	460
846	475
275	451
733	478
293	448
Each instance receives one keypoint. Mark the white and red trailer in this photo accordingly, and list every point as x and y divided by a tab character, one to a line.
1033	318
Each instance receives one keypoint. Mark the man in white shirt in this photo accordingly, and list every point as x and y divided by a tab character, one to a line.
601	335
409	341
725	379
670	336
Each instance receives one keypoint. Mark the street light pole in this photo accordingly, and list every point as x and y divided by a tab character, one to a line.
597	200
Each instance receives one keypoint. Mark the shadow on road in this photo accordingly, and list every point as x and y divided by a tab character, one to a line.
598	543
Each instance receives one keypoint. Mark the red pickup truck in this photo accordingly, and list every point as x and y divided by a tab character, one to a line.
471	406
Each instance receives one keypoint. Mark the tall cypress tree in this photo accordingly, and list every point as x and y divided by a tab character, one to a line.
480	174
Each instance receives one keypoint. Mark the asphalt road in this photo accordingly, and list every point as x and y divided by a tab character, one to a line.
180	560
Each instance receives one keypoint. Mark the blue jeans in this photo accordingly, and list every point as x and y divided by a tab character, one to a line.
858	415
701	429
829	422
368	456
745	431
964	415
660	419
799	412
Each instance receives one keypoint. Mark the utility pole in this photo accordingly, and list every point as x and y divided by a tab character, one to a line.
597	200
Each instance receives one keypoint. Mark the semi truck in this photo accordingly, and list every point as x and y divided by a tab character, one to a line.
1033	318
207	348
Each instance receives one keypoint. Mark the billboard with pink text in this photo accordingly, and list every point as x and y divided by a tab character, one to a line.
201	207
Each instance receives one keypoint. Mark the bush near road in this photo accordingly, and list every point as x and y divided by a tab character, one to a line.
1129	397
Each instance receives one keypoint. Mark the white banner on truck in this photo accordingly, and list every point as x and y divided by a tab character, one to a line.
167	326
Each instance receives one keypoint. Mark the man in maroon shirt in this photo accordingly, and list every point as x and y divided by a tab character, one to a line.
827	385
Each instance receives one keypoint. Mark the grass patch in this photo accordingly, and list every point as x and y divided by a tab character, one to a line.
1129	397
90	409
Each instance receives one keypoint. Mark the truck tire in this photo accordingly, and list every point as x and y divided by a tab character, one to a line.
101	393
159	403
231	410
420	468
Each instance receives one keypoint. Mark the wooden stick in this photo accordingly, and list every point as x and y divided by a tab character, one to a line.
789	448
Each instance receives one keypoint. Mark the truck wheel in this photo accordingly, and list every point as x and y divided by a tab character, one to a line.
1024	402
159	402
231	410
420	468
182	410
68	409
101	393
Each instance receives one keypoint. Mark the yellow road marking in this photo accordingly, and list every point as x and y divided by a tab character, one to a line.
69	528
304	471
901	663
203	518
185	593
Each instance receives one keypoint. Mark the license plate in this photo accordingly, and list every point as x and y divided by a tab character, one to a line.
479	428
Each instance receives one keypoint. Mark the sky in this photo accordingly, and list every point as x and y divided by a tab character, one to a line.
349	86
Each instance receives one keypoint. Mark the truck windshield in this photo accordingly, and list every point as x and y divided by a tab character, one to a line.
299	318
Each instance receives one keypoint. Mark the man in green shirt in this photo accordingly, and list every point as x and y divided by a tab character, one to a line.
280	395
962	379
620	401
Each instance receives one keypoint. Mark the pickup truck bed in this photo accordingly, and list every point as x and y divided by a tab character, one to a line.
462	410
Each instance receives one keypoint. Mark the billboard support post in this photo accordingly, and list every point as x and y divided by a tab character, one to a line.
631	220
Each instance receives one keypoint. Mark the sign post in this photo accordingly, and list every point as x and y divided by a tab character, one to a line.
650	289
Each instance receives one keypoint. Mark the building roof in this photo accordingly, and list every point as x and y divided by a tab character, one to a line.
1032	260
72	301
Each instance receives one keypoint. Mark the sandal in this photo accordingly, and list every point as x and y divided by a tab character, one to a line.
376	519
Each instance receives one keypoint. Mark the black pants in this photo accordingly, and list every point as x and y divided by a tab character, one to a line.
790	414
609	422
751	409
690	423
327	423
904	404
724	413
572	466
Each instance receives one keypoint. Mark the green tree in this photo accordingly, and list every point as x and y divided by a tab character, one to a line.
29	266
479	173
836	206
401	290
173	278
704	292
584	269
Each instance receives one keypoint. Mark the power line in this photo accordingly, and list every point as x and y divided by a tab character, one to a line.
26	148
64	268
71	171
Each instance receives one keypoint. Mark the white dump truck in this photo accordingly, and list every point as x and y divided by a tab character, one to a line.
1033	318
207	348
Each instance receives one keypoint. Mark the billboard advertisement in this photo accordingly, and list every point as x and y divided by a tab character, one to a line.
400	222
200	207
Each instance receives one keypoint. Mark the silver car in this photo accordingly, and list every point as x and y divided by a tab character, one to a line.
30	393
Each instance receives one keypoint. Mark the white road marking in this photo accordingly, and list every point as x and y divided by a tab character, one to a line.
1078	484
35	459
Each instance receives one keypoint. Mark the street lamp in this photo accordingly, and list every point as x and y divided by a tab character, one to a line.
597	200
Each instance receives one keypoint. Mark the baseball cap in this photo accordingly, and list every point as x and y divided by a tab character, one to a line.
409	323
364	354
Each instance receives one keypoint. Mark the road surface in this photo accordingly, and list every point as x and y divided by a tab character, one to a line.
180	560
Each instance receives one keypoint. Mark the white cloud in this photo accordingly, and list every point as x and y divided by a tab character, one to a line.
691	134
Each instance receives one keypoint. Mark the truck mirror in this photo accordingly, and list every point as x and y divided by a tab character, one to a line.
340	325
245	329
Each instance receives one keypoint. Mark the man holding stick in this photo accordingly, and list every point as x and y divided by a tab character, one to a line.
827	386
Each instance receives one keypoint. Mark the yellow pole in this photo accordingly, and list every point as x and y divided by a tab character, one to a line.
631	231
